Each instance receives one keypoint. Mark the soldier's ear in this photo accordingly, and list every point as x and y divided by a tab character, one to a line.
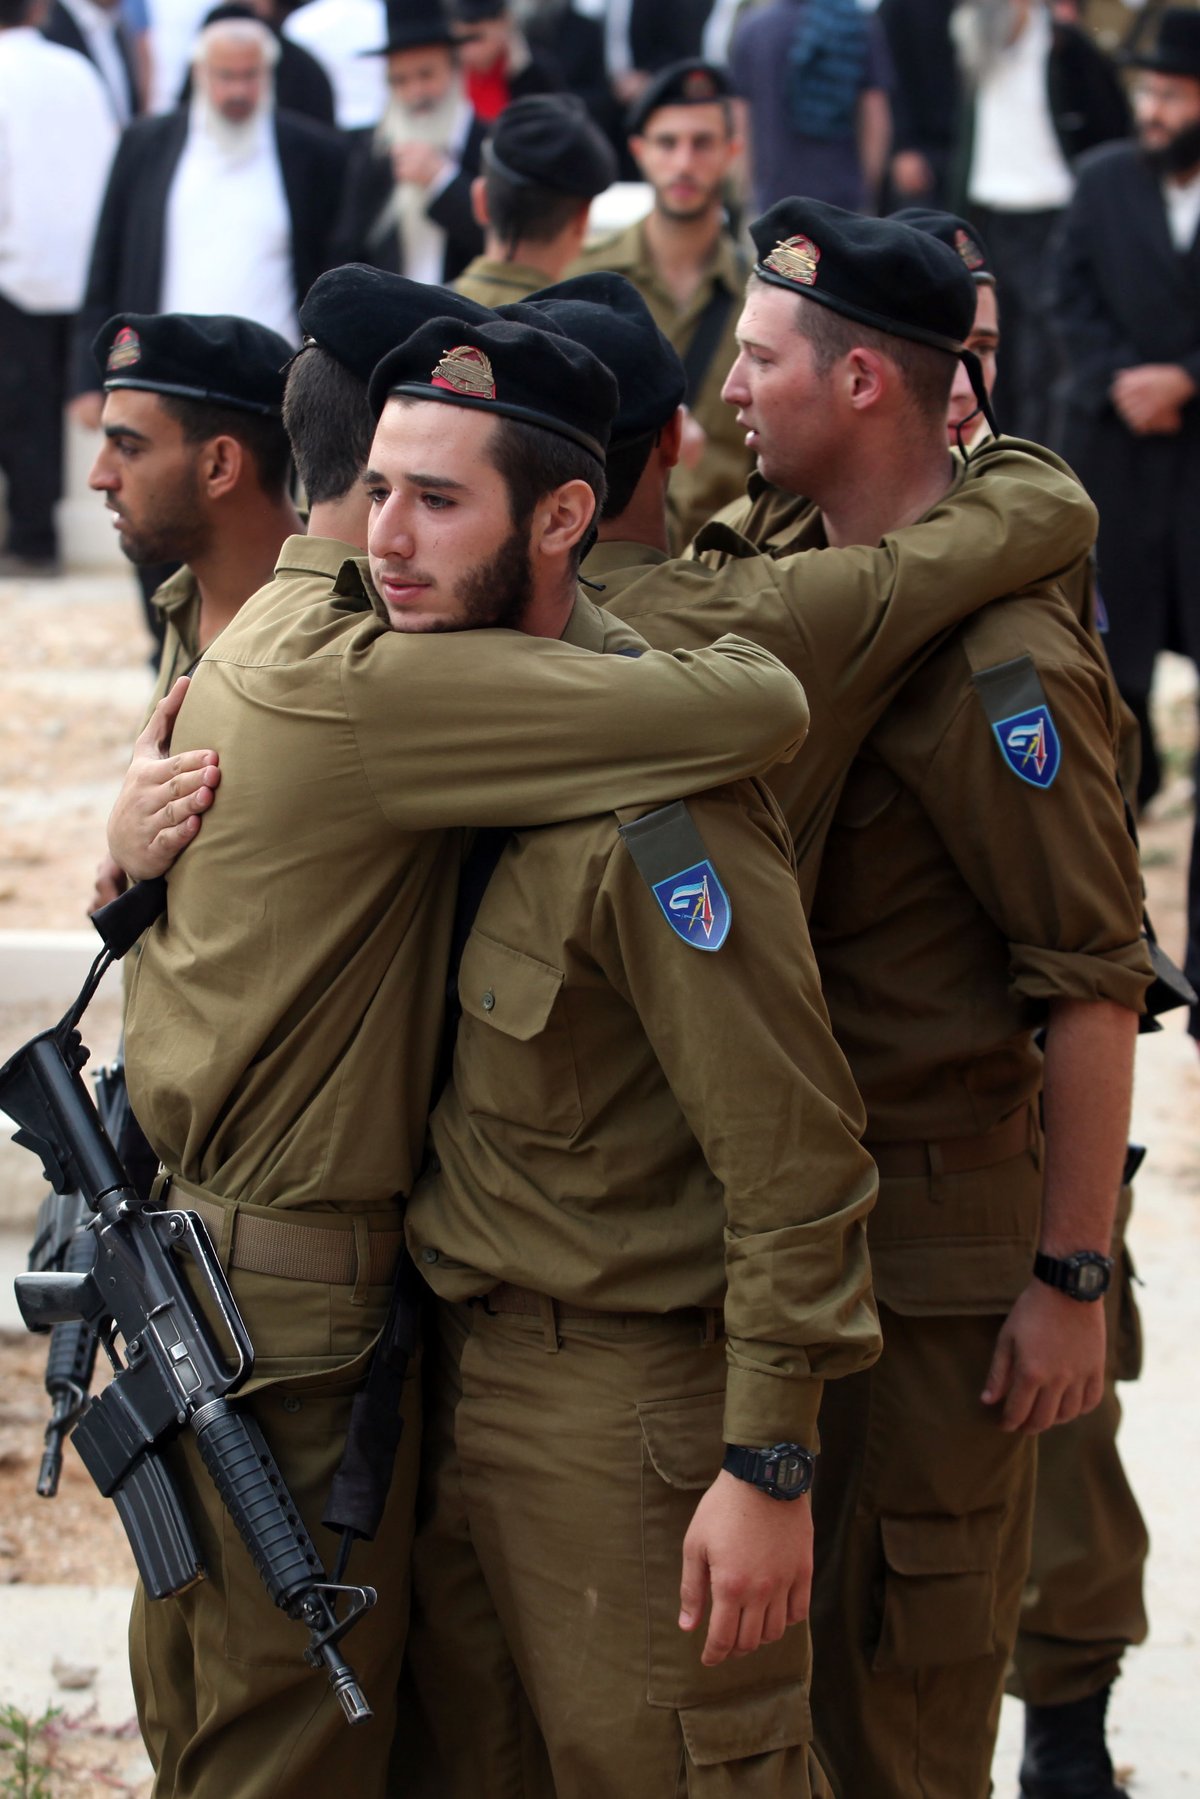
479	208
222	462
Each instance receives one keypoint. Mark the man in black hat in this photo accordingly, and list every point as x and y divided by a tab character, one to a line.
542	167
1127	281
686	266
499	63
407	201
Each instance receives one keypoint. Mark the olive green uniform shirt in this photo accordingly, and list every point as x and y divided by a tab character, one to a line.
852	624
178	599
284	1016
637	1125
490	282
695	494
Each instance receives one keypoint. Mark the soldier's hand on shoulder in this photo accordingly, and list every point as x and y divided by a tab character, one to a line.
752	1556
1048	1366
157	812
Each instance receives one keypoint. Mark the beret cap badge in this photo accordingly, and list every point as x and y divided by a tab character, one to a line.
796	259
698	86
968	249
466	370
126	349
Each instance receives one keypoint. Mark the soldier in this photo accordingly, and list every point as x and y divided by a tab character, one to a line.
194	466
299	977
655	1204
542	167
685	264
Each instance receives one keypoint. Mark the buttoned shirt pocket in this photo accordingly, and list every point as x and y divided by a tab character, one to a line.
939	1598
517	1061
682	1450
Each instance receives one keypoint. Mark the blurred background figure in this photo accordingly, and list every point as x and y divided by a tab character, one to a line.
685	264
344	36
1038	93
301	84
814	75
498	62
924	100
57	134
1127	289
407	202
98	30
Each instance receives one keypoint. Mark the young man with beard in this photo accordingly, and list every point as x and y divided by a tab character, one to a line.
686	266
285	1017
407	200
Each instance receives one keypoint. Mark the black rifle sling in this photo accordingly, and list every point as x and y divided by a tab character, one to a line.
360	1486
697	358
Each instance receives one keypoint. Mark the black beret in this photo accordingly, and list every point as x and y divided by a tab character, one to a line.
501	366
549	140
358	313
874	271
225	361
949	229
606	314
472	11
693	83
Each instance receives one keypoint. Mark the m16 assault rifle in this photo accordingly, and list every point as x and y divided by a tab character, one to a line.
132	1287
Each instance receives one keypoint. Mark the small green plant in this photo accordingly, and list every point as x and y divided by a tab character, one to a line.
24	1773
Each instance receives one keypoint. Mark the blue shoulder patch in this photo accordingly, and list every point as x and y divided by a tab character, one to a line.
696	906
1030	745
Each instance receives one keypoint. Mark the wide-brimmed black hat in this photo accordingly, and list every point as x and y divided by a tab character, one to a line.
358	313
510	369
414	24
949	229
1177	50
606	314
550	140
691	83
222	360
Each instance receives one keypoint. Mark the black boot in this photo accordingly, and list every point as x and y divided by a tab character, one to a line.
1066	1756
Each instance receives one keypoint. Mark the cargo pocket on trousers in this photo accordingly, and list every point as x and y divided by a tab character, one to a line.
939	1590
682	1448
765	1734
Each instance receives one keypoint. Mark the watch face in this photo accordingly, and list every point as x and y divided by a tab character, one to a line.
1090	1278
789	1471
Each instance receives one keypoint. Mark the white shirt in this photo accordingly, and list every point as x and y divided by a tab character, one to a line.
228	240
99	30
1182	201
341	35
57	136
1016	164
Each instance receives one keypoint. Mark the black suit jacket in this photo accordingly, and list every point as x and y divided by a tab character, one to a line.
127	255
60	28
368	189
1125	295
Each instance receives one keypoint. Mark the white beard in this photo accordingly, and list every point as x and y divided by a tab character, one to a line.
401	125
233	143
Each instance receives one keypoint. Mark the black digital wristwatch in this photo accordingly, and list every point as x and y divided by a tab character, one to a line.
784	1471
1085	1275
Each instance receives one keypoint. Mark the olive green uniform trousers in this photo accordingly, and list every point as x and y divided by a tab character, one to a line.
1083	1604
229	1708
923	1505
563	1461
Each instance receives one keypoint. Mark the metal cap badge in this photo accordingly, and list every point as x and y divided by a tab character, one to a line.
796	259
126	350
466	370
968	249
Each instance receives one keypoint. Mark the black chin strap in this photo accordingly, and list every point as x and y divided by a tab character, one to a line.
974	368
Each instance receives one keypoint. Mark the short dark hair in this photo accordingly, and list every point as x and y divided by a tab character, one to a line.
533	462
521	213
264	437
927	373
326	415
15	12
624	469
